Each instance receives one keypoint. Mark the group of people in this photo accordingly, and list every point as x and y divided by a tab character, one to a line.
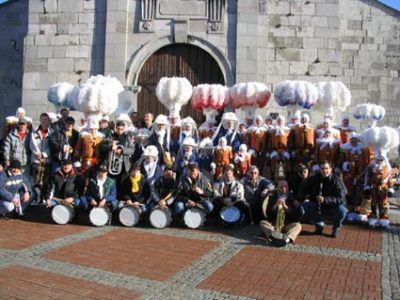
275	173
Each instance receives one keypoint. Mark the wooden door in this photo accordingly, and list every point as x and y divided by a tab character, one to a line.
180	60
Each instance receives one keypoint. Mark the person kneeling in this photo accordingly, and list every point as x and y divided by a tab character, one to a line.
65	186
283	215
101	191
135	190
195	190
14	190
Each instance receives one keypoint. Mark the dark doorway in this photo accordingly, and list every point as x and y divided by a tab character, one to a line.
181	60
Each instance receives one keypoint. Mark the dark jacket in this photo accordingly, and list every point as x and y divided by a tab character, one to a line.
58	139
128	149
163	187
331	188
186	192
293	214
109	190
233	139
126	190
11	185
295	182
64	185
252	192
153	140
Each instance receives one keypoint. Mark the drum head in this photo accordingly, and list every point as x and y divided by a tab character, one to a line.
99	216
194	218
129	216
61	214
230	214
160	218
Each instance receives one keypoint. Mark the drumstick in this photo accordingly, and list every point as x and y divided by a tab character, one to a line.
251	215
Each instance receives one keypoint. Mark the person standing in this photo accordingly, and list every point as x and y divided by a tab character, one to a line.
17	147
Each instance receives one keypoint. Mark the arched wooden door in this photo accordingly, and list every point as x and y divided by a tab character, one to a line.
181	60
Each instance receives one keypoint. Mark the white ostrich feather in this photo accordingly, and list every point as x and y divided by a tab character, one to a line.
58	93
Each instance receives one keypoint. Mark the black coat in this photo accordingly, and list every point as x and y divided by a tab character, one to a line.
186	189
293	214
163	187
126	190
331	188
65	185
57	140
128	149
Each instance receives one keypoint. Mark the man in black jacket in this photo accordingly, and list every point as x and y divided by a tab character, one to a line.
326	194
66	186
62	142
195	189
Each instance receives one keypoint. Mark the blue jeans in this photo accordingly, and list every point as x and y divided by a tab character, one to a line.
85	203
77	202
7	207
181	207
336	213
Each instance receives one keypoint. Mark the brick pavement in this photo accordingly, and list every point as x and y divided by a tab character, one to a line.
366	268
35	284
268	273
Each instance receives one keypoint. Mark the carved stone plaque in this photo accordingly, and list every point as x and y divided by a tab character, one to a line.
192	9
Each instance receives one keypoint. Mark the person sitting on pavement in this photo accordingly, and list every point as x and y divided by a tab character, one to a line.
256	188
327	199
64	187
101	191
283	214
195	190
14	190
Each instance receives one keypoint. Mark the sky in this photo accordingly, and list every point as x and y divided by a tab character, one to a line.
392	3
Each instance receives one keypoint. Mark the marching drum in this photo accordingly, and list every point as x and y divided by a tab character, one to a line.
100	216
160	217
129	215
230	214
62	214
194	217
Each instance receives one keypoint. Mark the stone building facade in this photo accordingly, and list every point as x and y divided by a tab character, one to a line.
355	41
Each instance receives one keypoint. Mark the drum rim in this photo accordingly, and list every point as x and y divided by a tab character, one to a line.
130	209
94	209
65	209
225	208
195	209
164	212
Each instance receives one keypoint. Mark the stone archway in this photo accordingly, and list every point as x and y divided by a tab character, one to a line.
139	58
181	60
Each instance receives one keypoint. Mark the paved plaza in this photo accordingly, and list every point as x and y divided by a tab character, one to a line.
40	260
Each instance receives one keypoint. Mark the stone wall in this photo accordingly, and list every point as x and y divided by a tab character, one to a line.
355	41
13	30
65	42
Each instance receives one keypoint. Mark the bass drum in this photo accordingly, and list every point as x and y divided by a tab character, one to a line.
62	214
129	216
194	217
160	217
230	214
100	216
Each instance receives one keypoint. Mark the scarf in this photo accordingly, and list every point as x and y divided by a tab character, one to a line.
135	183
